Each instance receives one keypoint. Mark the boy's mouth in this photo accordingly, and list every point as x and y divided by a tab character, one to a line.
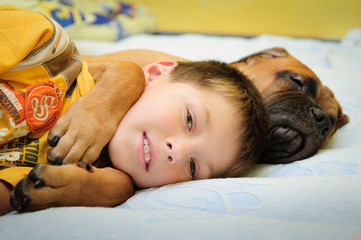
146	151
146	154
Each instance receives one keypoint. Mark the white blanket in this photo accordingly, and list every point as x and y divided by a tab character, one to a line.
317	198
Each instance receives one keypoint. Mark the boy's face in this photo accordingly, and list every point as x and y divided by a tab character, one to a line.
175	132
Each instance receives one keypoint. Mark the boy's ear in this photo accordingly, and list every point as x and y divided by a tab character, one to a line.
158	69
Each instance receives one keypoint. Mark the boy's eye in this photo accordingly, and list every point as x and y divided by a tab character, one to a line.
192	167
189	121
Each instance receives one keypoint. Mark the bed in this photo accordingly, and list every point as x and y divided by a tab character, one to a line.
316	198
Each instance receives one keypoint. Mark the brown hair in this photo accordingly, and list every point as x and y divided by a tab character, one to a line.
241	93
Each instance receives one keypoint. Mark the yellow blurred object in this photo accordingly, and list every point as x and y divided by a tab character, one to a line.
299	18
93	19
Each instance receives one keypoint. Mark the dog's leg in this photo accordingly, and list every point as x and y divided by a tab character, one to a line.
89	123
78	184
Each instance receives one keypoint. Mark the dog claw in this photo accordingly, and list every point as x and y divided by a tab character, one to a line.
33	174
86	166
54	141
13	202
18	191
18	200
25	203
58	161
39	183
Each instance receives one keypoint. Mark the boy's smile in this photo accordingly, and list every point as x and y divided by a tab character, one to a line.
175	132
146	154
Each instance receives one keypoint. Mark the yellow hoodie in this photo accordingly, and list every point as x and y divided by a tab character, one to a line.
41	74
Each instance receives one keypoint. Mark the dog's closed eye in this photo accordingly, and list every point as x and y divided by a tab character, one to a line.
292	77
305	84
297	81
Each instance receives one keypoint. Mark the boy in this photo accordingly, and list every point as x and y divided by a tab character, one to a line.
193	121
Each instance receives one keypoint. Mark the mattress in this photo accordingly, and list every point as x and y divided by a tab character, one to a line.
316	198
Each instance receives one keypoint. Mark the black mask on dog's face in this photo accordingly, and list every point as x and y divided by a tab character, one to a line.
303	112
298	126
297	129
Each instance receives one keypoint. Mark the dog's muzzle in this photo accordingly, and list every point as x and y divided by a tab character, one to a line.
297	130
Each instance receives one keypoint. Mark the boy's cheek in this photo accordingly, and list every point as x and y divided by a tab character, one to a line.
171	174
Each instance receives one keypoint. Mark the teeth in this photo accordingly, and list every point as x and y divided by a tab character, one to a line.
146	151
147	157
146	146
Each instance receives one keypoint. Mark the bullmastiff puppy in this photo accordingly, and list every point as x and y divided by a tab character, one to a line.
304	113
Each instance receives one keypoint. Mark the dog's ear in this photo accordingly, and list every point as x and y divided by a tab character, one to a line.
327	100
275	52
342	118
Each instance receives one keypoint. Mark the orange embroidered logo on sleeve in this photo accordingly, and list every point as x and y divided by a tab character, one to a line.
42	105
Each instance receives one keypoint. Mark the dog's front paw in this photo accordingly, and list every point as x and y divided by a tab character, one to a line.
79	134
77	184
49	186
21	196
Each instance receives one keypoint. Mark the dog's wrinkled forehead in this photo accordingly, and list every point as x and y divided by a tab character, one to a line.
275	70
272	52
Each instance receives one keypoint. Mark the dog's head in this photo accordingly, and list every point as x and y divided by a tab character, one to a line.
303	112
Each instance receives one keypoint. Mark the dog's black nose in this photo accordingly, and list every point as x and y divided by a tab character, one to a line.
323	122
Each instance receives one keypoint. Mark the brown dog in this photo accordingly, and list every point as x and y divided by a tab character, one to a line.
304	113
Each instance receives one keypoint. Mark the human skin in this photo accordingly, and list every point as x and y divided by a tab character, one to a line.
5	190
189	130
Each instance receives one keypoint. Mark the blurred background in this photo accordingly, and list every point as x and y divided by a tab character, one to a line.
114	19
329	19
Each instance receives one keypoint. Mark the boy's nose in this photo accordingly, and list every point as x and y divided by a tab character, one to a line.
177	151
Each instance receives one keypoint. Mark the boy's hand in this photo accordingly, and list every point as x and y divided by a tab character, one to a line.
90	122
